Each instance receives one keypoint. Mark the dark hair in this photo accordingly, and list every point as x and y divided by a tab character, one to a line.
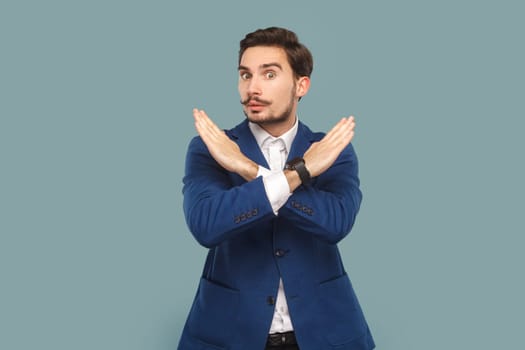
299	57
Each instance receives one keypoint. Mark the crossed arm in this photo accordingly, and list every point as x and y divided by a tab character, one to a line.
211	204
318	158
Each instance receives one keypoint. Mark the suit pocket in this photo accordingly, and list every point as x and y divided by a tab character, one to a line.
343	318
213	316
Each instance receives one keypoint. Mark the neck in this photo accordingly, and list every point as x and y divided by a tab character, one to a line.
278	129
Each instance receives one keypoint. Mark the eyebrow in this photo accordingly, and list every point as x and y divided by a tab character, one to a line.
263	66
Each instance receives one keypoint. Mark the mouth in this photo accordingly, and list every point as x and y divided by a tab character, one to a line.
255	107
255	102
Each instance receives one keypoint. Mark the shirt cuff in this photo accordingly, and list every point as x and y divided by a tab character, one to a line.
276	187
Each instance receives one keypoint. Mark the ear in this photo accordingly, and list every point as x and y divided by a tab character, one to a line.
303	84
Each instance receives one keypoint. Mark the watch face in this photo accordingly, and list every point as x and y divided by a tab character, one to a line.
297	164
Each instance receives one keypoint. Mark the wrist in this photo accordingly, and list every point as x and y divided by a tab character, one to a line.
298	165
248	170
293	179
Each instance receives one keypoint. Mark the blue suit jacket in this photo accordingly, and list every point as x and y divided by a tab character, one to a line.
250	249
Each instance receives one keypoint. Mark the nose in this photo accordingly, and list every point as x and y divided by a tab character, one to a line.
254	87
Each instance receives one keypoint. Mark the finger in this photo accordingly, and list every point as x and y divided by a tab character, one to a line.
346	126
205	125
339	130
212	128
349	135
202	125
352	125
199	115
199	118
343	124
340	136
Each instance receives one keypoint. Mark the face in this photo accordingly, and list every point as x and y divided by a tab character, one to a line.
268	89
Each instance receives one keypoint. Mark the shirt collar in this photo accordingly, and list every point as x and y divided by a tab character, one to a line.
261	135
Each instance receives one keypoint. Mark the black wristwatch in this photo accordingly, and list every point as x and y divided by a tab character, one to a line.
297	164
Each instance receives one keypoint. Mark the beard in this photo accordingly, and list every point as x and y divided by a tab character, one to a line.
272	118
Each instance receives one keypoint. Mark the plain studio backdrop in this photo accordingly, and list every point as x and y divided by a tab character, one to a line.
95	119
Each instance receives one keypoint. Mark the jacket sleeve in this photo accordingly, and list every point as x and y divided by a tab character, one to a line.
214	208
327	208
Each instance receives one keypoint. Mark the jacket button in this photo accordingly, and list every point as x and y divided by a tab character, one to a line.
279	253
270	300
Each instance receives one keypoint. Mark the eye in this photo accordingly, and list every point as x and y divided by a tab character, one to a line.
270	74
245	75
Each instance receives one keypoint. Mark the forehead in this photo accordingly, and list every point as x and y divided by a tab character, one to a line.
256	57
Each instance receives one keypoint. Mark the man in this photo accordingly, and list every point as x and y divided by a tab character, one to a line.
271	200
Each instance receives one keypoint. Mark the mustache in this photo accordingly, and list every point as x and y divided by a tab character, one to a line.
256	99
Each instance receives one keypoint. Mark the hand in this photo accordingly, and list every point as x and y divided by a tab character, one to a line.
226	152
321	155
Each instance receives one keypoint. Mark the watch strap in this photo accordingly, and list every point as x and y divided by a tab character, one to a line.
298	165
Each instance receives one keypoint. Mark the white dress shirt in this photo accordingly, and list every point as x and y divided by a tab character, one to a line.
275	150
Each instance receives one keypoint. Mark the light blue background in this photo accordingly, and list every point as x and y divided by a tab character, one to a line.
95	107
